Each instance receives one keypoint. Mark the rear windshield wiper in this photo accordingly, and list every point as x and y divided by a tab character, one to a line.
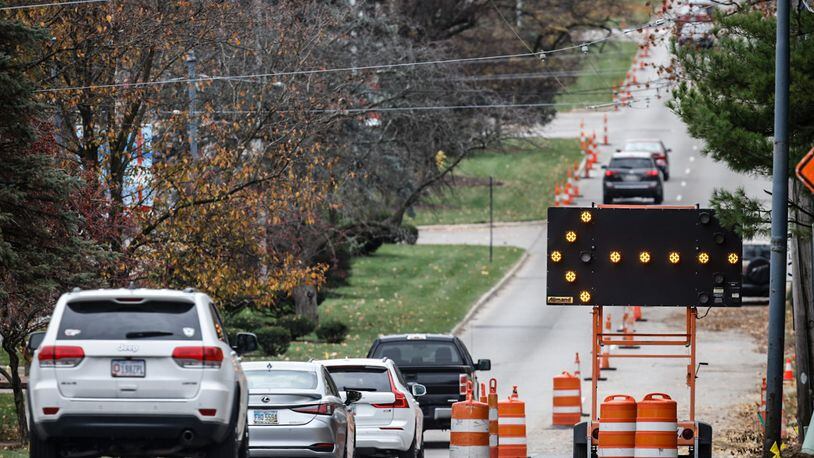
142	334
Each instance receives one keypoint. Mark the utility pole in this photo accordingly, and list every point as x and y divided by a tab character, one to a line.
193	113
491	216
780	191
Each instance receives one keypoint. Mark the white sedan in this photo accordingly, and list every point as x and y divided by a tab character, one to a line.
388	418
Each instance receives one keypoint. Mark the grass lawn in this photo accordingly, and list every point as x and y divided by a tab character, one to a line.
406	288
8	418
524	172
602	69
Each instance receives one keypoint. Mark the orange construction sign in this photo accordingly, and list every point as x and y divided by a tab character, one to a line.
805	170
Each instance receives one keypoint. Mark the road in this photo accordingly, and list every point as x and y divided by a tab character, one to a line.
529	343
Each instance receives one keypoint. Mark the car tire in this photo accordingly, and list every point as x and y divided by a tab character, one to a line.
606	199
230	447
412	452
659	198
41	448
666	176
243	451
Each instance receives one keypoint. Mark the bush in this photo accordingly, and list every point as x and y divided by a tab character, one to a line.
332	331
246	320
273	339
297	325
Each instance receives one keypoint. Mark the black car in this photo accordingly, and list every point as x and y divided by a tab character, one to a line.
657	150
440	362
755	263
632	175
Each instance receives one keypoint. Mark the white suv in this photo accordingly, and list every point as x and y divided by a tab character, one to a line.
388	418
138	372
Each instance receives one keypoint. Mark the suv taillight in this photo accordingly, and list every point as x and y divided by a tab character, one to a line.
401	399
653	173
198	357
609	173
463	380
60	356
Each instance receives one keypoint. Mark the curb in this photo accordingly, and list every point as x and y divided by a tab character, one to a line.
456	227
490	294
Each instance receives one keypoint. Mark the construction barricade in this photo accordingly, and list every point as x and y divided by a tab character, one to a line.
617	427
469	431
656	427
567	408
511	420
492	402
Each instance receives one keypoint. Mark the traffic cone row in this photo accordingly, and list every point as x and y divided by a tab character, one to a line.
488	427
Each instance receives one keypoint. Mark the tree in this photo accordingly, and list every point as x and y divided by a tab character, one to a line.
46	244
727	99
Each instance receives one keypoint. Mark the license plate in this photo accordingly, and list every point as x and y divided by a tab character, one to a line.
265	417
630	177
128	368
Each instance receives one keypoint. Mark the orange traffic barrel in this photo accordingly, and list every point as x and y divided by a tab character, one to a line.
656	427
617	427
511	421
493	419
469	431
567	408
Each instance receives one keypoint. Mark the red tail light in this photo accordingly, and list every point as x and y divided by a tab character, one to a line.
208	412
609	173
653	173
60	356
317	409
198	357
50	410
463	379
401	399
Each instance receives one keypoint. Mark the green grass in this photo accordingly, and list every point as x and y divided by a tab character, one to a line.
8	418
601	70
16	453
524	171
406	288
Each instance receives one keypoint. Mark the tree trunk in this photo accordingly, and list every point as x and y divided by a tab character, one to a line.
305	302
803	300
17	389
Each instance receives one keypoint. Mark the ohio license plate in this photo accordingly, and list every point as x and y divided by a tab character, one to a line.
265	417
128	368
630	177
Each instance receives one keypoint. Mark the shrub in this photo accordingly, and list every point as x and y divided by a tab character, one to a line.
297	325
273	339
333	331
246	320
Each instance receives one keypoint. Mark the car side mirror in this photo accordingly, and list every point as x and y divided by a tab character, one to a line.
352	396
418	389
618	150
603	166
669	150
246	342
34	341
484	365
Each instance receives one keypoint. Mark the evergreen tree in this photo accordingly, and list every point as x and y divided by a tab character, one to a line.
44	239
727	99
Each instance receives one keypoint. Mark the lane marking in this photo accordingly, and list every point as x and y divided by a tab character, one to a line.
679	197
687	172
683	184
692	158
695	147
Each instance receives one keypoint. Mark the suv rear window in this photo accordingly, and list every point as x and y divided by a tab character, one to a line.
276	379
108	320
360	378
643	146
631	163
417	352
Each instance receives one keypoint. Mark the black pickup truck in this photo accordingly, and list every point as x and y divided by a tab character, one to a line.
440	362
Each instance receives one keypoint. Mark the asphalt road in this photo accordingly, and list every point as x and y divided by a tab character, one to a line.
529	342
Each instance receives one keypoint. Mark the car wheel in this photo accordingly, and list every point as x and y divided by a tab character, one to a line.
666	176
229	448
41	448
412	452
606	199
243	452
659	198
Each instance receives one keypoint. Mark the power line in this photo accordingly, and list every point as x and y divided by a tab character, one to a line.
139	85
48	5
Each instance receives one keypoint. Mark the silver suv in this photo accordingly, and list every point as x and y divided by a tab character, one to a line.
138	372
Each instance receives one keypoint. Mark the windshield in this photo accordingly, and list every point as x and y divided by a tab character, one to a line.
360	378
276	379
649	147
108	320
415	352
631	163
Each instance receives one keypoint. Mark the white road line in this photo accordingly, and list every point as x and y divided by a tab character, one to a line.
687	172
683	184
692	158
695	147
679	197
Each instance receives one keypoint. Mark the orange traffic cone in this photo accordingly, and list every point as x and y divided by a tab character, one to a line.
604	361
628	330
788	374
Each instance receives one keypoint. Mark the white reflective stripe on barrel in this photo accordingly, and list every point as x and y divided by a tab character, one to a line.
611	452
493	440
511	421
576	409
493	414
565	393
472	451
655	452
656	426
469	426
617	427
512	440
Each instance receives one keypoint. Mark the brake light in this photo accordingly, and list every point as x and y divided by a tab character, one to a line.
208	412
316	409
609	173
198	357
653	173
463	380
401	399
60	356
50	410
